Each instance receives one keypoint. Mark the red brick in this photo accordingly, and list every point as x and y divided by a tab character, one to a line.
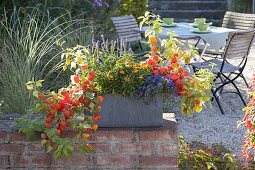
35	148
170	136
138	148
126	148
21	159
50	168
4	160
170	168
146	148
41	159
17	137
155	161
3	137
20	169
102	147
15	148
116	160
80	159
114	135
168	149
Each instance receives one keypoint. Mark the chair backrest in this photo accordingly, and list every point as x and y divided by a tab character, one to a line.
239	44
237	48
239	21
124	26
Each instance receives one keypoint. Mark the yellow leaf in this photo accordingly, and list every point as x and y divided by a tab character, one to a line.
30	85
68	61
35	93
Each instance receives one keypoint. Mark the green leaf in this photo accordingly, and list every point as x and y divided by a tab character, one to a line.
35	93
44	141
85	150
50	132
211	165
48	147
67	151
91	105
38	107
39	83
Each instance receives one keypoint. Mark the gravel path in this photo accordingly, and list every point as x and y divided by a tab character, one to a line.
210	126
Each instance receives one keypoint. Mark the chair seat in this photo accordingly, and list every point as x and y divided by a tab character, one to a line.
142	53
228	68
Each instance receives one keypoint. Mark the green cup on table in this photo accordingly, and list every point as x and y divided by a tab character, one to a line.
200	20
168	21
203	26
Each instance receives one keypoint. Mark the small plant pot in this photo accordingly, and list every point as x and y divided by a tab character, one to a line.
120	111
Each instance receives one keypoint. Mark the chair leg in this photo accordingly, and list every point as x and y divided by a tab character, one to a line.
217	101
244	80
238	92
140	45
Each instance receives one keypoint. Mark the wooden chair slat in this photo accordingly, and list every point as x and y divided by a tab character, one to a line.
240	21
238	44
124	26
239	14
123	18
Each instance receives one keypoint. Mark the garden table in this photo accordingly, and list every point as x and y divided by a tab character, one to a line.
215	39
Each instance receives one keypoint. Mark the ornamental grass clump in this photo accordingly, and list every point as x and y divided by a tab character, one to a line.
111	68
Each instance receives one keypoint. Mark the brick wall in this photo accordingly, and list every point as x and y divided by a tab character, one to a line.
139	148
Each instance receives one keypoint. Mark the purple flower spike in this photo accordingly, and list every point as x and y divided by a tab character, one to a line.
118	54
89	47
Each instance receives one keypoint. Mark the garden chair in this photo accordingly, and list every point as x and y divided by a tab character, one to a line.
239	21
125	26
233	62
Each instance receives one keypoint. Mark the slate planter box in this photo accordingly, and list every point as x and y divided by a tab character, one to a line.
120	111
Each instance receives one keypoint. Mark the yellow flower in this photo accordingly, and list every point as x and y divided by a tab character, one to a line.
140	77
144	66
110	74
122	72
135	70
126	78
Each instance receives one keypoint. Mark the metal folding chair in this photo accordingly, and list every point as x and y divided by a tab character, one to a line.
125	26
233	62
239	21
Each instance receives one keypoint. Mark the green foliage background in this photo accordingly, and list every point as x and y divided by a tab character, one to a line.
134	7
243	6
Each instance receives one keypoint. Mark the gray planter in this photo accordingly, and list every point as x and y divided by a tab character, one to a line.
120	111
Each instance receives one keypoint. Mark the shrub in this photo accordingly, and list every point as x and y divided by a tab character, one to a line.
198	156
133	7
243	6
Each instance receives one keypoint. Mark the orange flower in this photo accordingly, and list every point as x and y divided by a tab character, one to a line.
153	41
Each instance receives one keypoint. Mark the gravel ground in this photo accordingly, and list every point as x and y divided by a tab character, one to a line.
210	126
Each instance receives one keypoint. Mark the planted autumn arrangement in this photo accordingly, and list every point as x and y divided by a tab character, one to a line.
110	83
